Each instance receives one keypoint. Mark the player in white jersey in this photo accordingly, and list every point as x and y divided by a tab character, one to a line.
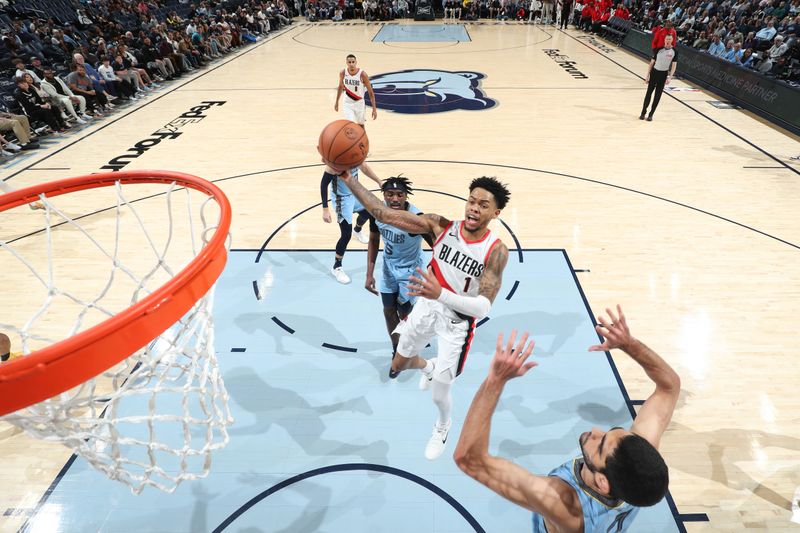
458	288
353	81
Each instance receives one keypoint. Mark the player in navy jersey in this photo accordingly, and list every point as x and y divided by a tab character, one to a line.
619	470
402	255
459	286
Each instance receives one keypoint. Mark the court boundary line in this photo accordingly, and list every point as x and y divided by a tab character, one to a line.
158	97
685	104
629	403
673	507
348	467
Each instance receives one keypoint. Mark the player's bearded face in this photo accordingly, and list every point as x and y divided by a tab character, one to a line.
395	199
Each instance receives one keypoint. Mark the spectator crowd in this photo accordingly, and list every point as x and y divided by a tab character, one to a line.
67	63
755	34
63	71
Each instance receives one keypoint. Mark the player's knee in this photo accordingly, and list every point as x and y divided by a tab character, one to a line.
389	313
404	309
440	392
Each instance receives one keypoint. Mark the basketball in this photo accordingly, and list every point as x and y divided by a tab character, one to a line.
343	145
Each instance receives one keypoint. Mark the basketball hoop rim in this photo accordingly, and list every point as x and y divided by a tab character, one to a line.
68	363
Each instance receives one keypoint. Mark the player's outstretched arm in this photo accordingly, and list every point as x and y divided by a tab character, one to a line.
366	169
547	496
656	413
398	218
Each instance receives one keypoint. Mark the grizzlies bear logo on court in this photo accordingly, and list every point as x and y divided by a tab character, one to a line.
430	91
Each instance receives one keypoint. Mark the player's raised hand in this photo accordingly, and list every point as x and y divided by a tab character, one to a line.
614	330
426	285
510	362
369	284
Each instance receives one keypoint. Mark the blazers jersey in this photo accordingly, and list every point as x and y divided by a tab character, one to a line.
353	85
457	262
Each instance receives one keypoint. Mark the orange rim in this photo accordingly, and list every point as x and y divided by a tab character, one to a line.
72	361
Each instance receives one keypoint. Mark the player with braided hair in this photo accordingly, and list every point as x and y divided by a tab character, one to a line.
402	255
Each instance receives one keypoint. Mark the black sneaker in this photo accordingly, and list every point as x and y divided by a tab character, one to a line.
31	146
649	118
392	373
641	117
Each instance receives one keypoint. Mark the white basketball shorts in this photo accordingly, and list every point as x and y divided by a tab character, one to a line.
430	318
354	110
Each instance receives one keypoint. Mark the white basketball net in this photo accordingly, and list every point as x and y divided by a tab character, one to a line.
155	418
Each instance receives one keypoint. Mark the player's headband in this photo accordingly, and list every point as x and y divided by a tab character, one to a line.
396	184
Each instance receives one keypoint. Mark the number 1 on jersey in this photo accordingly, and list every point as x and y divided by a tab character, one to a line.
466	284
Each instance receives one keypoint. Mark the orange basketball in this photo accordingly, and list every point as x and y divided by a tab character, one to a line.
343	145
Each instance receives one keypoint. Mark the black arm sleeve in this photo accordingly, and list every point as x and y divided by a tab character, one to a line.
373	227
323	188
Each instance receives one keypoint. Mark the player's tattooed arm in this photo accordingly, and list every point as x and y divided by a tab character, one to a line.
400	219
492	277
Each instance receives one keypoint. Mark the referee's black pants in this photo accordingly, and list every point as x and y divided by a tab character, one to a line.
564	19
657	80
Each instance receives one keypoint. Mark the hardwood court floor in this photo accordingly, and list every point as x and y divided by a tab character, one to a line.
690	222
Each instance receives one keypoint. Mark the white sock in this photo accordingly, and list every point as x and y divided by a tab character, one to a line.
429	366
443	400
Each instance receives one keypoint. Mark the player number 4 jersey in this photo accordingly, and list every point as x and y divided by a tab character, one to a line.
458	263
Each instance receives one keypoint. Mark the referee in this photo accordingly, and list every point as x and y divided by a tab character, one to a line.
659	74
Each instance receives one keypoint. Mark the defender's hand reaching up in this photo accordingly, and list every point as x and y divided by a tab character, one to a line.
509	362
614	330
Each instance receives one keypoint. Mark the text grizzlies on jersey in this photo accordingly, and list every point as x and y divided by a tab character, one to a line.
391	236
462	262
556	55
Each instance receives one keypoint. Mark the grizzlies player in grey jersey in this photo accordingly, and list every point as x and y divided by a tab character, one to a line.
402	255
619	470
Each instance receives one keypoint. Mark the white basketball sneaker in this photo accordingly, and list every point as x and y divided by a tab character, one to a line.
340	275
362	236
437	442
425	381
